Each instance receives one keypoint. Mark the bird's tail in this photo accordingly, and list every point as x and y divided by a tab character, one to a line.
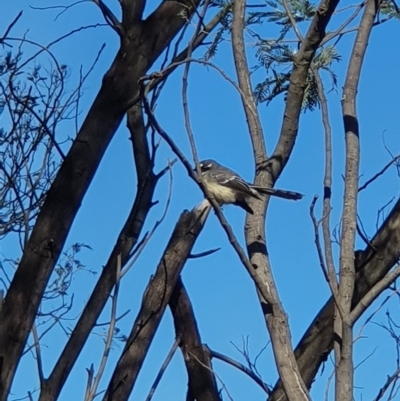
278	192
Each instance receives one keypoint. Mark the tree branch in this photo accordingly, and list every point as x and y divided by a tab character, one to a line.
201	384
164	366
342	326
276	318
155	300
110	18
372	265
138	50
126	241
326	210
244	369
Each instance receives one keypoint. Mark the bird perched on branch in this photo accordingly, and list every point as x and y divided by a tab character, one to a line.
228	187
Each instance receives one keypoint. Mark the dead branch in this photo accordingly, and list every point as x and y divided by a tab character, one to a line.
379	173
224	223
372	265
164	366
148	38
326	209
373	294
343	327
201	383
90	395
244	369
126	241
155	300
202	254
386	386
110	18
332	286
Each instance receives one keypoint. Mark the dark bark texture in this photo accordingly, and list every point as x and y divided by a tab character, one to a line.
201	384
141	44
127	239
155	300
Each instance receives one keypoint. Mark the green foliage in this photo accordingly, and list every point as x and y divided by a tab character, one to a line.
301	10
389	9
226	6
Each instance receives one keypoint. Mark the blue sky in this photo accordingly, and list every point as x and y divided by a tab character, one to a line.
223	296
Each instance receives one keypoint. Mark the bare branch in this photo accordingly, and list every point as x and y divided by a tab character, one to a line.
225	225
379	173
90	395
8	30
202	254
343	328
38	353
275	316
164	366
127	239
110	18
201	383
155	300
243	368
373	293
326	211
332	286
385	387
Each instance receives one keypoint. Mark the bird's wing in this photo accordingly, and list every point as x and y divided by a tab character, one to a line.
236	183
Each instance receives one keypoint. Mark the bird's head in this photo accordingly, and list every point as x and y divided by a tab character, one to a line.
206	165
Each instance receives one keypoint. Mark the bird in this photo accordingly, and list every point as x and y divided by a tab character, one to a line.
228	187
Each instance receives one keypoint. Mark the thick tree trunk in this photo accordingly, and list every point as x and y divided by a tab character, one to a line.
141	44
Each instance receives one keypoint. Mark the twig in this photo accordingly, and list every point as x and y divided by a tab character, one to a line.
292	21
182	56
64	8
110	18
13	22
373	293
379	173
326	210
184	91
202	254
332	286
116	319
138	250
389	381
38	353
159	75
228	229
89	382
110	334
164	366
241	367
215	374
341	28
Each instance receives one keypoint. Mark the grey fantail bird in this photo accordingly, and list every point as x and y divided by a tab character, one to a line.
228	187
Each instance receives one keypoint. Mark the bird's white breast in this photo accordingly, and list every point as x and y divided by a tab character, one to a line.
222	194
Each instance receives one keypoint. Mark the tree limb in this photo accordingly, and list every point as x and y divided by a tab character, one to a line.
155	300
139	49
372	265
201	385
